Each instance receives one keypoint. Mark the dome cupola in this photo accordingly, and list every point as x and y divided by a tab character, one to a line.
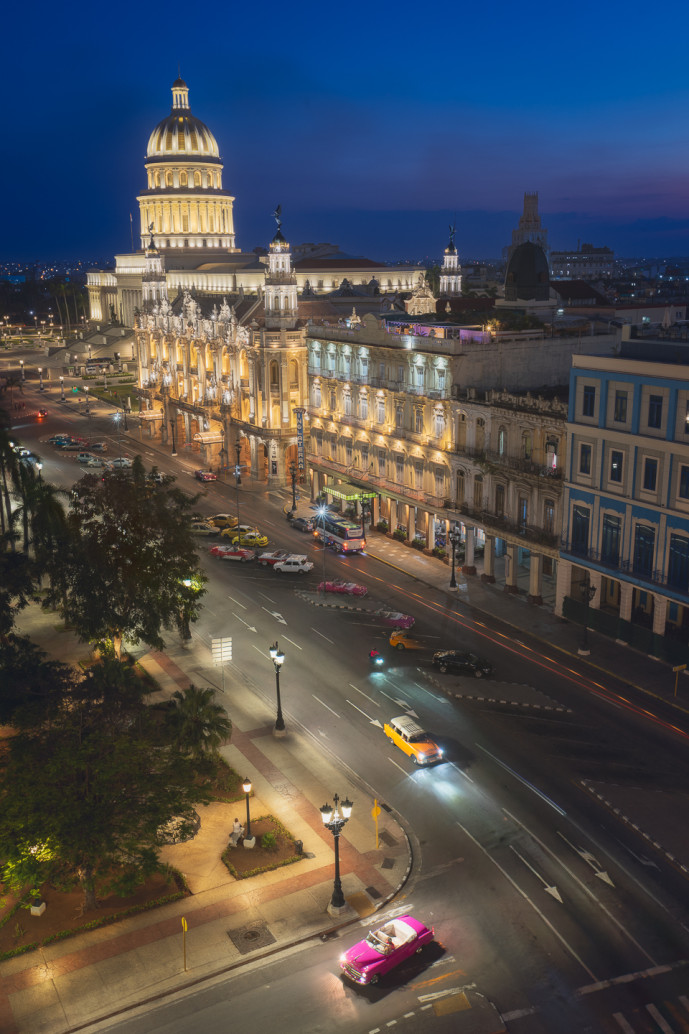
180	133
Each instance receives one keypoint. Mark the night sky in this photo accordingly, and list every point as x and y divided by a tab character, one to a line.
372	124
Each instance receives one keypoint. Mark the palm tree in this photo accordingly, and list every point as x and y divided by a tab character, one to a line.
9	465
200	725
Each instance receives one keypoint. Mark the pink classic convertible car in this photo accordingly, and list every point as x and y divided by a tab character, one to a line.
384	949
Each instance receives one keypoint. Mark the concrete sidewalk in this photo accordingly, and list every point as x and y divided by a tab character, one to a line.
70	984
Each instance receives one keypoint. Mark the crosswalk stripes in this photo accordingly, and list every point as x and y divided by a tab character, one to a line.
668	1017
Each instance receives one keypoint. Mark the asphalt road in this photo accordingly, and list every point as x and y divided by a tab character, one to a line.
536	899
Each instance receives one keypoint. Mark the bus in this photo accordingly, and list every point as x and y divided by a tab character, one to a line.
336	531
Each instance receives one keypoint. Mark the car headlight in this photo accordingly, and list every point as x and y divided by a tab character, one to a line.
440	751
421	755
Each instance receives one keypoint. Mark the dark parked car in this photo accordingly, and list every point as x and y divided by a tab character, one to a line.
462	663
302	524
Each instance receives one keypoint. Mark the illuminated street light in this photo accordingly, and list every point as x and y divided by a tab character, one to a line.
62	389
278	659
249	841
40	378
454	536
87	400
335	822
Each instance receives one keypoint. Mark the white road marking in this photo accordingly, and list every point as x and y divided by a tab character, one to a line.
275	614
398	766
526	897
325	705
523	781
292	642
373	721
237	602
322	636
259	650
622	1023
356	688
664	1026
265	597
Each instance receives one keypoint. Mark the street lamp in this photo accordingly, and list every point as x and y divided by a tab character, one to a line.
174	447
21	363
237	477
117	417
39	468
588	591
40	378
293	475
62	389
454	537
278	658
87	400
322	511
246	787
335	822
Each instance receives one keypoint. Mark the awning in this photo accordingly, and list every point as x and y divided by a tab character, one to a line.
350	493
208	437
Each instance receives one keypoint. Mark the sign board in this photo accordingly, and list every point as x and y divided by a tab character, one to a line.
221	650
299	410
679	667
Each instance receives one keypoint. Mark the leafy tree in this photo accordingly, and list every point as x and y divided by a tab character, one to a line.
31	688
199	725
130	568
91	787
433	278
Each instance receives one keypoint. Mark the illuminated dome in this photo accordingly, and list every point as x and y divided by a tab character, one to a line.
180	133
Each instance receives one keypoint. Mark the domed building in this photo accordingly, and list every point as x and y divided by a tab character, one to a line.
185	205
527	277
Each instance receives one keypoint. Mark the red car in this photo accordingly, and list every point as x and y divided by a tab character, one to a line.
42	413
273	557
367	961
396	619
205	475
346	588
233	553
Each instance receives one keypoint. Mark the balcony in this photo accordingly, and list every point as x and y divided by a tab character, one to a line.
503	526
488	458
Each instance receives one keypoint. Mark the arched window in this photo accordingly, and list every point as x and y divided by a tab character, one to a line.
478	492
502	441
527	445
274	375
499	500
157	179
551	448
197	179
459	495
183	181
293	374
168	179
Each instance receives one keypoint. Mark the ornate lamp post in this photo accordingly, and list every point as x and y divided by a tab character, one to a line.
246	787
174	446
237	477
335	822
40	378
322	511
588	591
87	400
454	537
278	658
21	364
62	389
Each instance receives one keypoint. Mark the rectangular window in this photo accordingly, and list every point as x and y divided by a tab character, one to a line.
686	418
418	478
585	459
549	516
610	542
478	493
616	460
588	407
620	415
363	407
439	425
348	405
333	401
399	470
348	451
399	417
317	396
523	511
418	421
644	545
364	457
400	375
380	411
581	517
381	371
499	500
650	475
678	569
439	485
419	376
684	482
655	410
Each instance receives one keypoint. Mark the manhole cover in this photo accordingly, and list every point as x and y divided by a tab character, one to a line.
249	938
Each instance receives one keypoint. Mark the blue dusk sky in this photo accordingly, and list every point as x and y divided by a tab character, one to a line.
374	125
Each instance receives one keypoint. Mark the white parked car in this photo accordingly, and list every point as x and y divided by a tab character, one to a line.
121	461
293	565
90	461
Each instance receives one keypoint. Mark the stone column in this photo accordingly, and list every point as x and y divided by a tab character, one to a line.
596	580
563	584
511	570
535	579
659	613
489	560
256	458
430	530
469	538
392	515
411	521
626	594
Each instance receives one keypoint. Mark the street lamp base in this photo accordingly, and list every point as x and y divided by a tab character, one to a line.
279	733
338	910
583	651
249	842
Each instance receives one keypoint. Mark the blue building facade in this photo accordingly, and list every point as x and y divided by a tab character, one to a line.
624	557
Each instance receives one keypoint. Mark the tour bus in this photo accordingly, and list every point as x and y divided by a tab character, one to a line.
336	531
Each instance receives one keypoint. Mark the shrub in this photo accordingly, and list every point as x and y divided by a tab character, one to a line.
269	842
418	543
382	526
400	535
439	551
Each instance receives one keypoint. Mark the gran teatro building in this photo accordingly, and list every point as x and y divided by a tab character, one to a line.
221	333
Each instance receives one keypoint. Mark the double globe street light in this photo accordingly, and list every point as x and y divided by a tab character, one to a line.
335	819
278	659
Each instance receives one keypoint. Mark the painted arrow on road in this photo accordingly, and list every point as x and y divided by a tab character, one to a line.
589	859
274	614
250	627
373	721
553	891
